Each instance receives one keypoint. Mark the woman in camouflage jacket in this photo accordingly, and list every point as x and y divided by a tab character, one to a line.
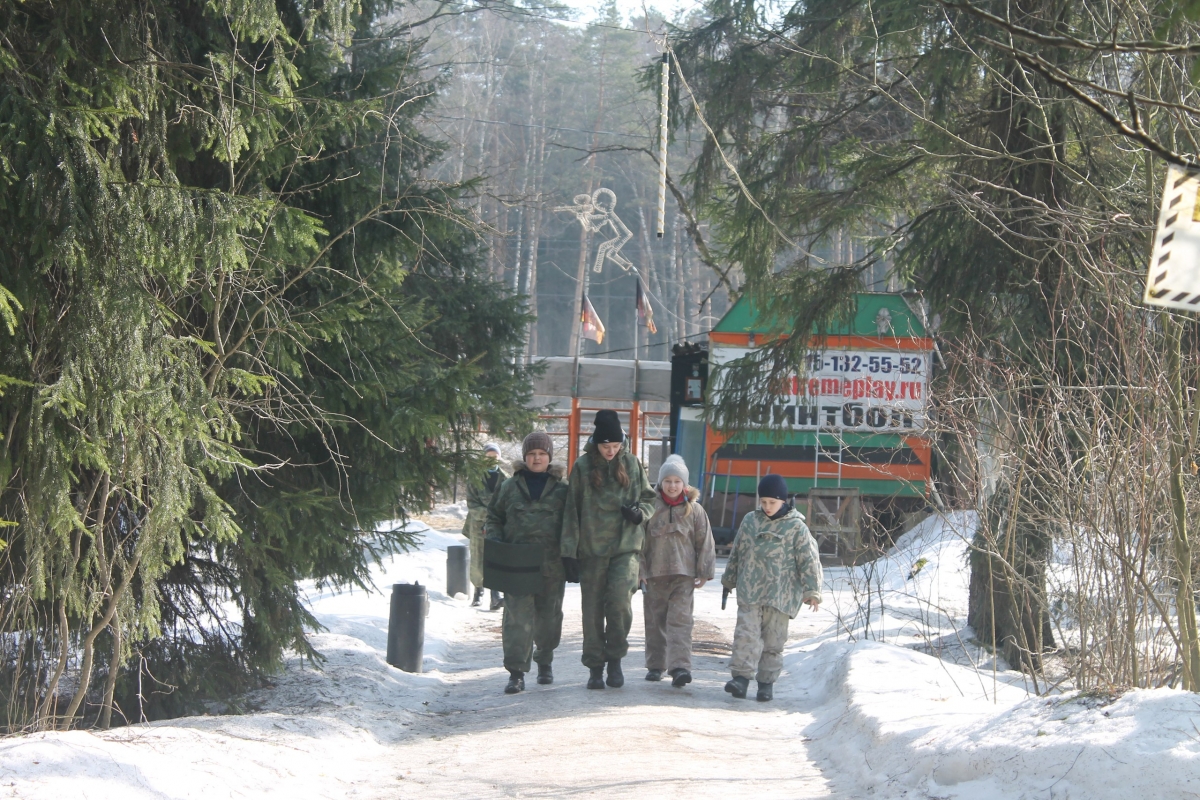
528	509
480	491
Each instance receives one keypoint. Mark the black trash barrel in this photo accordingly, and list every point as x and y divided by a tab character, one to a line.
406	626
457	579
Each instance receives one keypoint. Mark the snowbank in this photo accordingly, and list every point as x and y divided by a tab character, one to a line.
899	724
896	722
914	596
315	734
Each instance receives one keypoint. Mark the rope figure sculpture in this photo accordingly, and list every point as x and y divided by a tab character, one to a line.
595	213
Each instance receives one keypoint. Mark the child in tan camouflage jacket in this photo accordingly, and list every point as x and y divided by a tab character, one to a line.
678	558
775	567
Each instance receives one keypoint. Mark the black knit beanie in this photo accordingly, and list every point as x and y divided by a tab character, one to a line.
608	427
773	485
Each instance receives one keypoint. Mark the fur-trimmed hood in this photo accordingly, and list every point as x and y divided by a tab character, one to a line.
556	471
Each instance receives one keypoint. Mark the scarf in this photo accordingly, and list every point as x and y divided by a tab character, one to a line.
783	510
678	501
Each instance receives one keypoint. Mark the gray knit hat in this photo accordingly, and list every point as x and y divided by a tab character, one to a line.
538	440
492	446
674	465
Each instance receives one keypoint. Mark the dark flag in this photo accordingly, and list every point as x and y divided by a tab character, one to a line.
644	311
592	327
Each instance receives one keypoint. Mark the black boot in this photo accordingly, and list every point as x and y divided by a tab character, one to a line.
680	677
654	674
497	600
516	682
738	686
765	691
545	674
616	678
596	680
478	596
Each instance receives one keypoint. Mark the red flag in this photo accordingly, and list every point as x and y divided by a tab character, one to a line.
592	327
644	311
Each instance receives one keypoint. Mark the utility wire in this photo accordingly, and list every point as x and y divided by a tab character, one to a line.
640	346
729	164
646	289
540	127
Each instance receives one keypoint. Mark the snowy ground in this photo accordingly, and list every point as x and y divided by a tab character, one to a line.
865	708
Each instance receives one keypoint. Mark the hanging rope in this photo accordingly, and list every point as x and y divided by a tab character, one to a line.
662	143
732	169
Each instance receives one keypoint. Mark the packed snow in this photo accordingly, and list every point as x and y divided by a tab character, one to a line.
884	694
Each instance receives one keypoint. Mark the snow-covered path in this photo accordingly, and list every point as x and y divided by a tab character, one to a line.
359	728
644	740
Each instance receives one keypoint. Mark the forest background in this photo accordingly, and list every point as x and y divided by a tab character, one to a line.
269	266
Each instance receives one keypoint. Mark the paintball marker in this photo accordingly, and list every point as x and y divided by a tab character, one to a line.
724	596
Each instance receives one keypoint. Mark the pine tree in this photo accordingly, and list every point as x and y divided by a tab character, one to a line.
965	156
244	333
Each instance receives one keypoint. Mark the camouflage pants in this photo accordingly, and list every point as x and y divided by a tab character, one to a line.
473	530
668	603
758	643
607	586
533	619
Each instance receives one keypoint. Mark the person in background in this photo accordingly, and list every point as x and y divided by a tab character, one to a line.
479	495
528	509
678	558
608	501
775	567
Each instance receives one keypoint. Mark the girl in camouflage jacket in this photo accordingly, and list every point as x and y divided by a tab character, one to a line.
678	558
608	502
775	567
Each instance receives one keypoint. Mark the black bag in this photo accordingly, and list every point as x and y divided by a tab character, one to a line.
512	568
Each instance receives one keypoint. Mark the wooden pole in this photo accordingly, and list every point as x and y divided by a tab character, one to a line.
573	435
635	419
1185	605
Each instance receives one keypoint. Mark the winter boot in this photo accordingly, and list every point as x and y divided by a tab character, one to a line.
478	596
596	680
516	682
545	674
497	601
680	677
765	691
616	678
654	674
738	686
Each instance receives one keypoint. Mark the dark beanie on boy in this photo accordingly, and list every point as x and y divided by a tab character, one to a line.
773	485
608	428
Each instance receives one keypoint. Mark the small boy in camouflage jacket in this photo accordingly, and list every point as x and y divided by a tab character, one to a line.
775	567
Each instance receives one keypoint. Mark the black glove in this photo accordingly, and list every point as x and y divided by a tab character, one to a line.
632	514
571	567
